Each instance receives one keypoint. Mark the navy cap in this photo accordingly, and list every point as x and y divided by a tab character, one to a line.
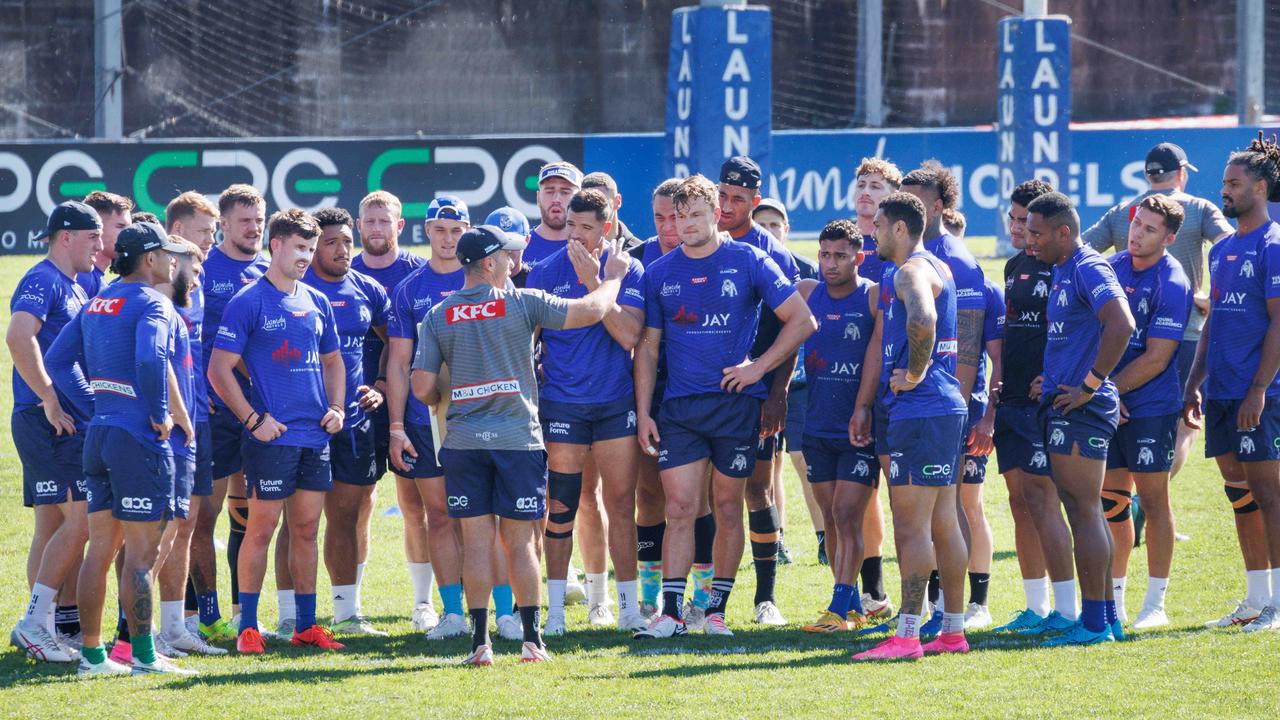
448	207
1166	158
771	204
565	170
742	171
511	221
482	241
71	215
141	238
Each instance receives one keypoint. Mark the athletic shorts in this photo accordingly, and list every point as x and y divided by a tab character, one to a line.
1145	445
425	465
202	485
1221	435
51	464
797	406
975	469
768	447
228	439
351	454
1185	357
1019	440
880	424
133	481
276	472
925	451
829	459
507	483
381	440
184	482
721	426
1089	428
587	423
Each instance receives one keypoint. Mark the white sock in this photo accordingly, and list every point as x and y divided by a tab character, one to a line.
360	587
1156	588
1259	588
423	577
1117	588
555	596
344	602
952	622
626	595
597	588
1064	599
1037	592
1275	587
288	608
40	609
908	626
171	618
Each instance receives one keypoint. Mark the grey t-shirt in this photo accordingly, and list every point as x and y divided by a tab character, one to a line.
485	336
1202	223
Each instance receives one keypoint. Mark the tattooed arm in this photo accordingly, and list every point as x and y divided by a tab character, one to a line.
969	348
917	290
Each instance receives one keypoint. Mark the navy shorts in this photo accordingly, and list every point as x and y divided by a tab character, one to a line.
351	454
1221	435
1185	357
507	483
925	451
768	447
880	424
133	481
228	439
51	464
828	459
1019	440
275	472
975	469
797	406
721	426
203	481
1089	428
587	423
425	465
184	482
1145	445
381	440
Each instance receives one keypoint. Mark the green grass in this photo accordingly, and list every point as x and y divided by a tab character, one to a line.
1183	671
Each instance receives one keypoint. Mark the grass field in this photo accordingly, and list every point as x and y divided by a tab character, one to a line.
1183	671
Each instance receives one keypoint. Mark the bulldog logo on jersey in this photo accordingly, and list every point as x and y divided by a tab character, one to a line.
1143	307
728	289
1041	290
1062	299
851	332
1246	269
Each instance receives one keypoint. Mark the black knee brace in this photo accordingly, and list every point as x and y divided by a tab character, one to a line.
238	515
1116	505
1241	498
567	488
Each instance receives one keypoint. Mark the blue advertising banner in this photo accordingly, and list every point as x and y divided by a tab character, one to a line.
1033	104
719	88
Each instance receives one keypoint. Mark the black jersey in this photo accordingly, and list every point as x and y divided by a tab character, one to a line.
1026	296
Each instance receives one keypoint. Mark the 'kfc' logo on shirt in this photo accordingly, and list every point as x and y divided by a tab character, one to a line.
105	306
478	311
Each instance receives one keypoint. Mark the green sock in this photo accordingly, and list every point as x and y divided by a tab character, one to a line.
144	648
95	655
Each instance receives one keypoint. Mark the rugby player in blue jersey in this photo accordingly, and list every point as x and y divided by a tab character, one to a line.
47	432
926	413
1239	354
557	182
1089	328
1142	451
115	359
116	214
285	333
587	405
703	299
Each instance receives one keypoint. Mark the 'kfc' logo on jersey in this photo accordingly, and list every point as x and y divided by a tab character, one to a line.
478	311
105	306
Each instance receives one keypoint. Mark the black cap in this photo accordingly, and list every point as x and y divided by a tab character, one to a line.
742	171
1167	158
71	215
482	241
141	238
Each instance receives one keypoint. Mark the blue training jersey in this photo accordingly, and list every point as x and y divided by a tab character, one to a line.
1244	272
584	365
91	281
833	357
1081	286
938	394
763	240
388	277
410	301
281	338
540	248
872	267
223	278
54	299
965	271
992	329
708	309
118	349
1160	301
652	251
182	360
193	317
359	304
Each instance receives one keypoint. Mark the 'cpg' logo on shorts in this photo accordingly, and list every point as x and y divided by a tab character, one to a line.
458	501
527	504
140	504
